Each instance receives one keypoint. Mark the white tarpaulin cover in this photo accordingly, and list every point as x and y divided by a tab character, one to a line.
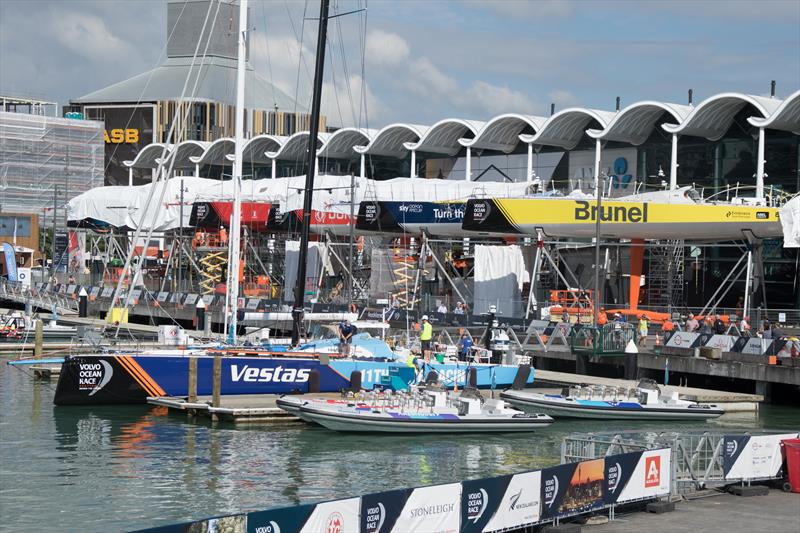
790	220
125	206
499	276
318	260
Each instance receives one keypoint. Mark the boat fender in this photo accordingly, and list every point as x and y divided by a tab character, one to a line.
313	381
432	378
473	377
521	378
355	380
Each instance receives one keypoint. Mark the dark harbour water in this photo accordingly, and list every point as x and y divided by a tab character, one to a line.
127	467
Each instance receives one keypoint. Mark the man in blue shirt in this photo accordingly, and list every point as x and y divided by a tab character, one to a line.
463	347
345	337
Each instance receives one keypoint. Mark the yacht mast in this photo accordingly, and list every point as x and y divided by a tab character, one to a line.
235	229
300	282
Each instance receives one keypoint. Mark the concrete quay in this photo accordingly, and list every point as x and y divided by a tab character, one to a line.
714	512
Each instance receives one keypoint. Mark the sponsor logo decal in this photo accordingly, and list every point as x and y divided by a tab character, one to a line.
375	518
335	523
272	527
731	447
371	212
480	211
410	208
762	215
514	503
278	374
550	491
652	471
448	213
614	476
610	213
121	136
94	376
433	510
476	505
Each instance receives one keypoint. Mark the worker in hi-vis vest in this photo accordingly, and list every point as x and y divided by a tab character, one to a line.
425	337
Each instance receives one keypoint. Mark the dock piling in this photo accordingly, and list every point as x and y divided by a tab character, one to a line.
216	385
39	339
192	380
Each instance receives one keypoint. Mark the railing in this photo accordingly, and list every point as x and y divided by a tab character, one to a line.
697	458
19	293
609	339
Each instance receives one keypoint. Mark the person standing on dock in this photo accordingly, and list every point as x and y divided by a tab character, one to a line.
643	326
425	337
719	325
692	324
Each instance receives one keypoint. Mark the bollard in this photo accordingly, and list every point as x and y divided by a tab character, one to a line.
39	336
83	303
216	385
192	380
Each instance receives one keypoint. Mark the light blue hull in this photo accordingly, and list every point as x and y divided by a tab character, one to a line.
497	376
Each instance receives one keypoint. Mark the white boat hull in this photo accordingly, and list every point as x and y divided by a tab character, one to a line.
350	421
564	408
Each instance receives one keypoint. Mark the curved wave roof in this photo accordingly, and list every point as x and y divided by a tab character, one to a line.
502	132
443	137
713	116
390	140
636	122
786	117
565	128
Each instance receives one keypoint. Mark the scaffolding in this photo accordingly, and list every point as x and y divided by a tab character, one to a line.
665	274
45	161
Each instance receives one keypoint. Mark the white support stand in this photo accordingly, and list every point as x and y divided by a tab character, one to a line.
274	168
413	164
597	153
529	168
363	170
533	304
760	165
130	176
747	281
316	167
673	164
468	173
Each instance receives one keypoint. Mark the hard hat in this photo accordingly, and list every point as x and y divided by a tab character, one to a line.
424	317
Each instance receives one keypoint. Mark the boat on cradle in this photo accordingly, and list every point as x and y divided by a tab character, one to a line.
645	402
654	215
428	409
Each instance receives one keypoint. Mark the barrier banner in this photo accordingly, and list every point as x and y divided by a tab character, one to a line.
756	346
618	471
572	488
723	342
480	500
753	457
681	339
229	524
520	504
284	520
436	508
339	516
651	476
379	512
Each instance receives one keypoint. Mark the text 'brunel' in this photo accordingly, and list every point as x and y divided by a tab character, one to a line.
610	213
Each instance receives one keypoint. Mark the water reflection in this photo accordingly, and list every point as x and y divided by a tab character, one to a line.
126	467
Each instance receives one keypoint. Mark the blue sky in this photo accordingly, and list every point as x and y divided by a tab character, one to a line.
426	60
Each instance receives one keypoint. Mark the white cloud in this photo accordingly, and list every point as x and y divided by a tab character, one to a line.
563	99
495	100
539	9
88	36
341	110
386	49
424	76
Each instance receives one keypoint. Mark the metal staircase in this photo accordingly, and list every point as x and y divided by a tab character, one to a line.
665	274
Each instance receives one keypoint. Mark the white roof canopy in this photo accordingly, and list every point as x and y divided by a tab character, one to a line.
713	116
565	128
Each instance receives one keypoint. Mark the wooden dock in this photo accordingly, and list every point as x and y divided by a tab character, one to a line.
730	401
239	408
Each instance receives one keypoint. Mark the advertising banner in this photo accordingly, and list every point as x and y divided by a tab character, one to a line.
379	512
284	520
11	261
339	516
753	457
649	478
681	339
723	342
572	488
520	504
480	500
436	508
